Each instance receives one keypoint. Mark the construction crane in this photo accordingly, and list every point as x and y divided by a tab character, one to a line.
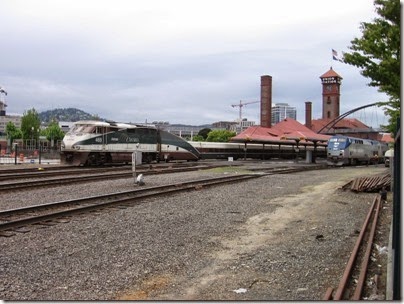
241	105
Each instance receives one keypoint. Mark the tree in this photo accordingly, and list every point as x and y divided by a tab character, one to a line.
204	133
198	138
30	125
53	132
377	54
12	132
220	135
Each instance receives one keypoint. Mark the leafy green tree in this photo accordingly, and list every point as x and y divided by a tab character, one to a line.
30	124
220	135
198	138
53	132
12	132
377	54
204	133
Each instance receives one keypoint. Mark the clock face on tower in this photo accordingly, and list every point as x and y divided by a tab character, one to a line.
328	88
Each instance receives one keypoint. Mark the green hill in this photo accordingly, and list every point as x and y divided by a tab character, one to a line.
67	114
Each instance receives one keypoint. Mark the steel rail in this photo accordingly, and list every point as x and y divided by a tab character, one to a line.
198	184
40	207
47	173
7	213
80	178
348	270
152	191
365	261
374	209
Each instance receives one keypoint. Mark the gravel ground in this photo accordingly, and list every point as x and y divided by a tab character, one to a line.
279	237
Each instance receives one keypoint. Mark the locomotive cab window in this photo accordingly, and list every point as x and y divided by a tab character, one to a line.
97	130
88	129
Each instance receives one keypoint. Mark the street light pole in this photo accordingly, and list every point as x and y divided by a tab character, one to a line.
32	137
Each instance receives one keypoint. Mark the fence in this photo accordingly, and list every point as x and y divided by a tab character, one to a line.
28	156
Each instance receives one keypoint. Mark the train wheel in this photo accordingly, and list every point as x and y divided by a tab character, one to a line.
109	158
67	159
93	159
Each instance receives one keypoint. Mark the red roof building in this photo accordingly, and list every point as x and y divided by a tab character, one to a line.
348	127
286	131
341	126
385	137
330	73
290	131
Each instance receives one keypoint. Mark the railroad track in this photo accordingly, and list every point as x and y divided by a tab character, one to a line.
12	170
84	176
40	172
44	179
352	283
16	220
31	174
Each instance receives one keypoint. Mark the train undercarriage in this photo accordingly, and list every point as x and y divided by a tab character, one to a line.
102	158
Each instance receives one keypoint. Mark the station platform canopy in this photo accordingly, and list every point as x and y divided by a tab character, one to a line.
288	132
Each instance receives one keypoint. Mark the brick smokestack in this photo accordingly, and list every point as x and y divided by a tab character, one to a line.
308	114
266	101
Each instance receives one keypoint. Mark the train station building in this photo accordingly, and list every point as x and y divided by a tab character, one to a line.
314	130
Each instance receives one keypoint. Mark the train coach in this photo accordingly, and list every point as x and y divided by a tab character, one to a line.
345	150
98	142
226	150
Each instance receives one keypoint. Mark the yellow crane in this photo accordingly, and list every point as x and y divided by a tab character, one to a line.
241	105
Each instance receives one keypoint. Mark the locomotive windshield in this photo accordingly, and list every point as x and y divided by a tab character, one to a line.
91	129
338	143
81	129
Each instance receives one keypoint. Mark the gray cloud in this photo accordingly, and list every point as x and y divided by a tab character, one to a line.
126	71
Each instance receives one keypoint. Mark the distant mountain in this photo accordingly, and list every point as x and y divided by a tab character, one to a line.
69	114
73	114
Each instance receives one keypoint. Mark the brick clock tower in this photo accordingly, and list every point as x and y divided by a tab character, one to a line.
331	82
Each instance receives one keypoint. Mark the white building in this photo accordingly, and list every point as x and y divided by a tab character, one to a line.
242	125
281	111
65	125
4	120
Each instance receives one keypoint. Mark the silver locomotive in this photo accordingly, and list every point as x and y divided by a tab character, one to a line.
345	150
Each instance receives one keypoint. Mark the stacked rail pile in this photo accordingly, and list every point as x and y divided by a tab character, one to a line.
369	184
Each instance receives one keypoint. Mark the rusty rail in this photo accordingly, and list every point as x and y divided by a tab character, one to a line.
342	287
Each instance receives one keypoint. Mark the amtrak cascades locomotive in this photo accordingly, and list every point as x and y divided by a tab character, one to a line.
99	142
344	150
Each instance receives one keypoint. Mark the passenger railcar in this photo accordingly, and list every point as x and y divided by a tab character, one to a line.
344	150
221	150
99	142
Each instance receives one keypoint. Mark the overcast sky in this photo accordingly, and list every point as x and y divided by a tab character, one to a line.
180	61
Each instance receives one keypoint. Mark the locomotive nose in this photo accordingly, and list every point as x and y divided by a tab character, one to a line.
67	142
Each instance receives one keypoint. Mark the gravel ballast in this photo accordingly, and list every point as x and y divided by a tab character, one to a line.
277	237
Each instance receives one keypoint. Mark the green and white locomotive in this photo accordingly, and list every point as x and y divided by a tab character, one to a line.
99	142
